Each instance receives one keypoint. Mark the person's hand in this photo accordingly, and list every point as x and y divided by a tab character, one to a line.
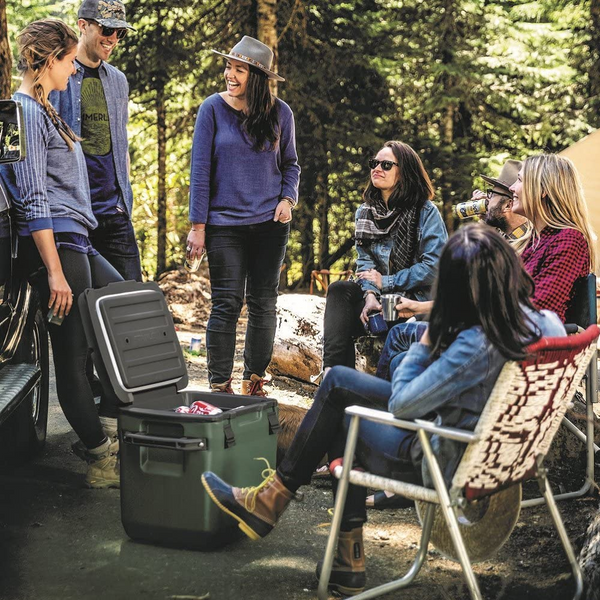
371	275
478	195
371	304
283	212
196	241
425	338
408	308
61	296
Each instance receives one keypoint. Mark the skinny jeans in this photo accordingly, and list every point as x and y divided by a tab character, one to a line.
380	449
70	349
244	262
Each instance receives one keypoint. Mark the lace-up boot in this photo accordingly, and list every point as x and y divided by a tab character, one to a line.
254	386
103	468
224	388
256	509
348	571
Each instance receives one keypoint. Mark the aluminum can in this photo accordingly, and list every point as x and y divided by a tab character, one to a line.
472	208
204	408
195	344
182	409
191	266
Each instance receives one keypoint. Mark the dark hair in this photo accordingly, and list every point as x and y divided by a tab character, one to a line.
261	122
481	281
414	185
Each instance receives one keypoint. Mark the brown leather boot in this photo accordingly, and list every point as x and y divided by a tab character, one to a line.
224	388
254	386
348	571
256	509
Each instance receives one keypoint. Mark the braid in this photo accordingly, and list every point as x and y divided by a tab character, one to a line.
39	43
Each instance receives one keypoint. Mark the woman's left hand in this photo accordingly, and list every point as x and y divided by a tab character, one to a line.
283	212
371	275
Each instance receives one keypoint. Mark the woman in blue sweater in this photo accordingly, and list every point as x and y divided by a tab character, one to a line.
451	372
243	187
54	216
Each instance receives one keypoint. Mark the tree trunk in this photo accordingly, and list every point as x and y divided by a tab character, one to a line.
161	199
5	54
589	560
267	32
594	73
323	219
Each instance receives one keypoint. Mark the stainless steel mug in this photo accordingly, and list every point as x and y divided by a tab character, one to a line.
388	306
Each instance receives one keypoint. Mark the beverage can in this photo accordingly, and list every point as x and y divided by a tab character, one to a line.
192	265
472	208
204	408
195	344
182	409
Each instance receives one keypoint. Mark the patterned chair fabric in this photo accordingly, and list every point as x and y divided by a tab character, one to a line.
523	414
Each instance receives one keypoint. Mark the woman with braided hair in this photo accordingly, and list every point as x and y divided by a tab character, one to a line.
399	238
54	215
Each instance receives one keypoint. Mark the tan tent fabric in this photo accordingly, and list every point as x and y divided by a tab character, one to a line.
586	156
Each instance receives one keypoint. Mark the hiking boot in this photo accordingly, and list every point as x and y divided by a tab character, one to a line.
103	468
109	424
224	388
256	509
254	386
348	571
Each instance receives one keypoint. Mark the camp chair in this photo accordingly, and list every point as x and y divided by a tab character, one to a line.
581	314
470	521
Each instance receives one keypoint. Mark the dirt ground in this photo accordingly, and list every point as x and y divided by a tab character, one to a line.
530	565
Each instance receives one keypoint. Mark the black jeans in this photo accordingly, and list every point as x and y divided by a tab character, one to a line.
381	449
342	323
114	238
69	345
244	261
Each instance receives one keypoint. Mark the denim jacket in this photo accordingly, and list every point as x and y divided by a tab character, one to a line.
116	90
456	386
418	278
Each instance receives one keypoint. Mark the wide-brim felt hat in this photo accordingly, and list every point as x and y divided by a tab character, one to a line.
252	52
508	175
110	13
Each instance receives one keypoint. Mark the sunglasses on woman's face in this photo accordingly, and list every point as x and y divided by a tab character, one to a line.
108	31
386	165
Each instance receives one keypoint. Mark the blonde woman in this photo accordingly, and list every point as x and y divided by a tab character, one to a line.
54	216
560	247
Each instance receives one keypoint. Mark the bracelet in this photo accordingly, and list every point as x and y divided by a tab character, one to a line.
198	229
290	201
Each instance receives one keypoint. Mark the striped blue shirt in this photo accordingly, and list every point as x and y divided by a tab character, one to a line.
50	187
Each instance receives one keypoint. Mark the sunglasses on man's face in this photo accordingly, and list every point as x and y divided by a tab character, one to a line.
386	165
491	193
108	31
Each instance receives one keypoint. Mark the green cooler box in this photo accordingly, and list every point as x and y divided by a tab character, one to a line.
164	453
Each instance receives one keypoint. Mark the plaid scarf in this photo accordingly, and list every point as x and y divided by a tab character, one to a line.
376	221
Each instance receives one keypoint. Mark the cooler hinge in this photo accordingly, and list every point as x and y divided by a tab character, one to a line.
229	435
274	425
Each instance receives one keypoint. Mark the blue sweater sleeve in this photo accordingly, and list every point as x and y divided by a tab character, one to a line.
290	169
30	174
202	146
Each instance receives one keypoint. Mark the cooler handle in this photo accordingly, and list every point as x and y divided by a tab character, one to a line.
167	443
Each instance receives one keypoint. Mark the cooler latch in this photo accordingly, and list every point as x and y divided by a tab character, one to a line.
274	425
229	435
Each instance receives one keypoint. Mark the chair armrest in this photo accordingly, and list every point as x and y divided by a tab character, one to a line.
387	418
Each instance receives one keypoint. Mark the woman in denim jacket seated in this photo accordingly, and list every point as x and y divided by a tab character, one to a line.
399	237
451	372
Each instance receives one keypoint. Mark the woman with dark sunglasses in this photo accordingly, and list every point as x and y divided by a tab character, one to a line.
399	238
243	187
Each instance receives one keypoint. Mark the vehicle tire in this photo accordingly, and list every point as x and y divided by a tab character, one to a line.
25	430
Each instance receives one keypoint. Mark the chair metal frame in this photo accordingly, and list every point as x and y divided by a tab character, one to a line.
478	473
581	314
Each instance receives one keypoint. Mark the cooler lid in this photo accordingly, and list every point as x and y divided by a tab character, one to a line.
136	338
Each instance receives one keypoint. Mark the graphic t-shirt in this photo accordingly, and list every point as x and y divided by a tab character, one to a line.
96	144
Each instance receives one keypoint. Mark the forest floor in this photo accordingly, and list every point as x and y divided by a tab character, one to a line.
530	565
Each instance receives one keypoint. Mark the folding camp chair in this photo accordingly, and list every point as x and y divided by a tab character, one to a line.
581	314
512	437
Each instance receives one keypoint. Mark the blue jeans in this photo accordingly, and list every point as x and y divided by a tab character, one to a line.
245	262
114	238
399	339
381	449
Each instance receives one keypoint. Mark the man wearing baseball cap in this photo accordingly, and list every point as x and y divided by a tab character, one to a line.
95	105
